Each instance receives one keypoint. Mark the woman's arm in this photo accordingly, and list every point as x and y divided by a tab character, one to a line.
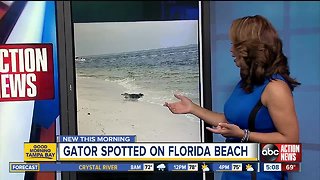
185	106
278	99
212	118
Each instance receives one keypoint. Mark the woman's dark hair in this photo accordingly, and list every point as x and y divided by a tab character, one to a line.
258	49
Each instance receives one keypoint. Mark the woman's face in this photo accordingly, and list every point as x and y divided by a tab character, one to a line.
233	54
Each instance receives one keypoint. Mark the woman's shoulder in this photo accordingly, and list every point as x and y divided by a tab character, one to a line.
276	89
273	79
277	82
277	86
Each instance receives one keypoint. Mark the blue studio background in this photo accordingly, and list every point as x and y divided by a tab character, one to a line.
298	24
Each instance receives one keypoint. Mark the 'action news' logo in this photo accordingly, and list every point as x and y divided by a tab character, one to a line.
270	152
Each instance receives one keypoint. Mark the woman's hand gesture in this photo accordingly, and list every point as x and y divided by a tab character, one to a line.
227	130
181	107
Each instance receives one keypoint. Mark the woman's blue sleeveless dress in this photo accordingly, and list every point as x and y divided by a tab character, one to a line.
237	110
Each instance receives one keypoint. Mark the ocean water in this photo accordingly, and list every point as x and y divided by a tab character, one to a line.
156	73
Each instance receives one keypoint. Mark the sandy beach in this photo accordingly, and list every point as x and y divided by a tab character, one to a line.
102	110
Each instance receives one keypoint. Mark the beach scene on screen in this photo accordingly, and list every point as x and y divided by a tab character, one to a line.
125	71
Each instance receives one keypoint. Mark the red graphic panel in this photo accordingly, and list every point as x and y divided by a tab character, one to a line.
26	72
3	9
281	152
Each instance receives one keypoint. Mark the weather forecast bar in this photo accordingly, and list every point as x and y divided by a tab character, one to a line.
52	167
18	167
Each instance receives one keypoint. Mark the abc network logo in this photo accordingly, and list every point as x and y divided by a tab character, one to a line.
270	152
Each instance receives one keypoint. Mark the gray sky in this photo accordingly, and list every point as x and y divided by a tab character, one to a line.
115	37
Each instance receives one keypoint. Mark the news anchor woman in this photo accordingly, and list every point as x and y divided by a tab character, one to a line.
261	107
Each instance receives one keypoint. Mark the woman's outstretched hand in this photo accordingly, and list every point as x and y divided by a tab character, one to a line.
181	107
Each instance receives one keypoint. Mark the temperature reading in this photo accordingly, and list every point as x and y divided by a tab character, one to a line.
236	167
192	166
290	167
148	167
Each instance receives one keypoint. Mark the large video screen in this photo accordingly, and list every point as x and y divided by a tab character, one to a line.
127	69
